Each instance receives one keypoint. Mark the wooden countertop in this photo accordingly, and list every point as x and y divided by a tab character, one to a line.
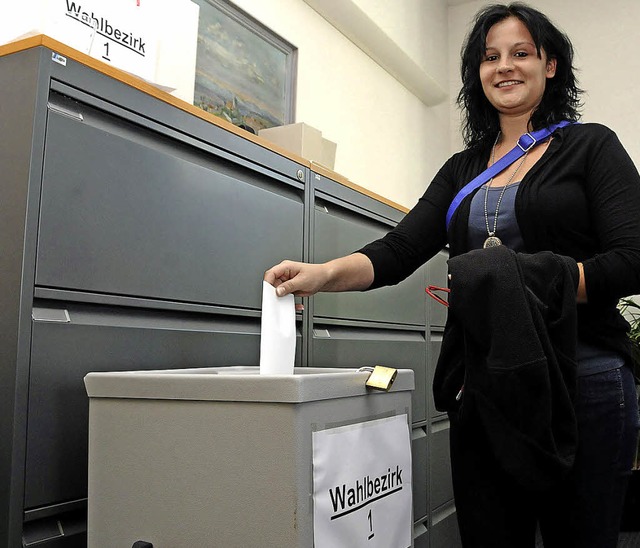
149	89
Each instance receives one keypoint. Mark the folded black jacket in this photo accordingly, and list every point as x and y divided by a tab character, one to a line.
510	340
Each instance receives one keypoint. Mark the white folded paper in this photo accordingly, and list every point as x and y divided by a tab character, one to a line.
277	333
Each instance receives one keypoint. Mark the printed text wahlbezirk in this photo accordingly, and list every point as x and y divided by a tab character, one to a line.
106	29
344	499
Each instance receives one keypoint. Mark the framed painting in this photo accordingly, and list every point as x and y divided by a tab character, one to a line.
244	72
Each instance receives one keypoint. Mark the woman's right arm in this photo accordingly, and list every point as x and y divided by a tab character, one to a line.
350	273
387	261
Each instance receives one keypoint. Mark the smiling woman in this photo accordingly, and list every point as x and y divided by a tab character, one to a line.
539	390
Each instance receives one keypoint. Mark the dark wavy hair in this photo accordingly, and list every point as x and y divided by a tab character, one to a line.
561	98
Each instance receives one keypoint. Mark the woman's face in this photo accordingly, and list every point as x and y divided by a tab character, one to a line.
513	76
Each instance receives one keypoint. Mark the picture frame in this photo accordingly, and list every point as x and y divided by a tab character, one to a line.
245	73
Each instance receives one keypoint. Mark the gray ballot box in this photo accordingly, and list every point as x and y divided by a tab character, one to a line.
217	456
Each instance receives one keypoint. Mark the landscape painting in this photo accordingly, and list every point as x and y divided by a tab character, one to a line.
244	73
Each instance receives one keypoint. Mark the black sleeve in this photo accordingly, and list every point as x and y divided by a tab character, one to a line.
418	237
613	187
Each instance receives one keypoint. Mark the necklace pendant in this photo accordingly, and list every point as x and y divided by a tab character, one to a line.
492	241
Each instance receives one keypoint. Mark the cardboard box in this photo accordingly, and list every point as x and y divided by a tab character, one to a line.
328	157
303	140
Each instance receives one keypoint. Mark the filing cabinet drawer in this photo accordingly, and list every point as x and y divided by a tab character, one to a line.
137	213
445	532
342	346
435	345
440	464
419	467
339	231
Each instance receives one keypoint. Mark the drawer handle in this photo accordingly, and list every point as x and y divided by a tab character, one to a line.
55	315
66	112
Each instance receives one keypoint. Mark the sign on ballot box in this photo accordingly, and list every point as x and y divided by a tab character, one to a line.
362	485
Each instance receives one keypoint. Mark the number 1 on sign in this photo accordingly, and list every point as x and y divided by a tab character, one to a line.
370	526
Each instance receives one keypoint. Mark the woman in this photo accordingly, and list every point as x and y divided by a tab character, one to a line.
577	195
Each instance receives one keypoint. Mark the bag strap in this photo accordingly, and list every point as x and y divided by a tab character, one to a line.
525	144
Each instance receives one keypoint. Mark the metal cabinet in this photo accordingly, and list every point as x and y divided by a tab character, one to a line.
136	238
443	528
135	235
386	326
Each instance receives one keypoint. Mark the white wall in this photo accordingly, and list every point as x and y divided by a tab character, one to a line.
606	42
392	143
388	140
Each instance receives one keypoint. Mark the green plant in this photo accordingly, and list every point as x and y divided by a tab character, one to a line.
631	311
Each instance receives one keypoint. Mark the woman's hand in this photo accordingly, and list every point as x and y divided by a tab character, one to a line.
300	279
350	273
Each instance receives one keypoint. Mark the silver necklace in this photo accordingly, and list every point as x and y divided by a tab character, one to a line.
492	240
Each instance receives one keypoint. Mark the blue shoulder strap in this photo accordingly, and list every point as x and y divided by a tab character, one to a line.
525	143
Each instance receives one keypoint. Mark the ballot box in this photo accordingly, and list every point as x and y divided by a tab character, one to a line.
228	457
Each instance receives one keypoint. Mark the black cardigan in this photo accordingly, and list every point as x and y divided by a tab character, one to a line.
510	340
580	200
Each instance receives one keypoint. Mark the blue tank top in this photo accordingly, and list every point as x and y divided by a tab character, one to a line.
507	227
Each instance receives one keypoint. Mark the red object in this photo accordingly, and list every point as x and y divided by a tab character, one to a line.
430	291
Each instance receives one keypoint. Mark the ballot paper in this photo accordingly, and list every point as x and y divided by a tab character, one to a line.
277	333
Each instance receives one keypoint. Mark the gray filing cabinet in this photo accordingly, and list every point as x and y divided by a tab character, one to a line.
384	327
442	519
133	237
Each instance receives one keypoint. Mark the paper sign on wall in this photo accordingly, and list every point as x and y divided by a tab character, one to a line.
119	32
362	485
122	33
154	39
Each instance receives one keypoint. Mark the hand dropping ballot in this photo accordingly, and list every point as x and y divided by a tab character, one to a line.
277	333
